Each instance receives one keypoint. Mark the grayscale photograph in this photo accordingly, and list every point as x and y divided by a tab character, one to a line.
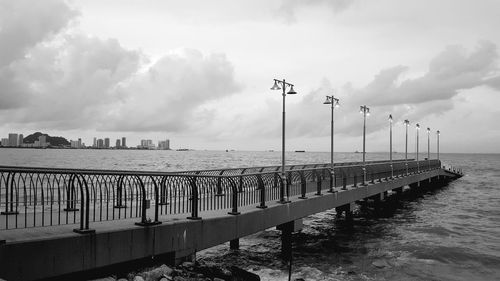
234	140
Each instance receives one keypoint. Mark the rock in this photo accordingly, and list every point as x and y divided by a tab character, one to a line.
380	263
165	279
109	278
187	264
122	279
218	279
243	275
299	279
157	273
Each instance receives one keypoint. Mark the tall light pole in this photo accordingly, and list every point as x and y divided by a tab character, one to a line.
418	164
407	123
283	87
390	144
365	111
428	148
438	133
334	102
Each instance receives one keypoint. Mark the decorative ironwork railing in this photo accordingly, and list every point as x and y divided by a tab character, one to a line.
35	197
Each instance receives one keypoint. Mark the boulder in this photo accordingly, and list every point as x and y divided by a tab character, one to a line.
380	263
243	275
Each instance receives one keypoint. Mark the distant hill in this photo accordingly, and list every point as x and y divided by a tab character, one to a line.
54	141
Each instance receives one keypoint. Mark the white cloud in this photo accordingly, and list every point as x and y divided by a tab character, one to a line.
169	95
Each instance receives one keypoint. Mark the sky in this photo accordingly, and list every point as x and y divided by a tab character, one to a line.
199	72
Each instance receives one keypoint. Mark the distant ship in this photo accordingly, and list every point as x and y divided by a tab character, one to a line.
300	151
356	151
183	149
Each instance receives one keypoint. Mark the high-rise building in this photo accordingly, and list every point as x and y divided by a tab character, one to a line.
42	141
21	140
95	143
124	142
165	145
5	142
79	143
117	143
106	142
100	143
13	140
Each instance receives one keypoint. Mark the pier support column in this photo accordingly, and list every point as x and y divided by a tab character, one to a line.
286	236
398	191
234	244
347	208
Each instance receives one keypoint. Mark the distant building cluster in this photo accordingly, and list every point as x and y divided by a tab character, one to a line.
148	144
106	143
17	140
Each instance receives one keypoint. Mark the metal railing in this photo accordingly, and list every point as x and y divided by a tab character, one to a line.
35	197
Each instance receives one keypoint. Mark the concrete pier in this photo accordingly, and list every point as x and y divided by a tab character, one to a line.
29	254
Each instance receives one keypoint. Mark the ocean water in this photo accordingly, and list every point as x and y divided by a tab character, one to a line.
451	233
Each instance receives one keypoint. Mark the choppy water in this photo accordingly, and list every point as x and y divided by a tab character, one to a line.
448	234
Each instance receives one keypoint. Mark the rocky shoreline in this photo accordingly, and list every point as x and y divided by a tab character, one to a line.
188	271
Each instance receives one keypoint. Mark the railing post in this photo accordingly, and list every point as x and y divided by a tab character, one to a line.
70	195
303	185
318	182
332	180
194	201
283	186
234	189
163	200
145	206
119	194
11	204
262	188
355	180
219	184
84	207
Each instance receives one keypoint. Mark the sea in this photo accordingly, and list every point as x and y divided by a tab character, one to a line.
449	233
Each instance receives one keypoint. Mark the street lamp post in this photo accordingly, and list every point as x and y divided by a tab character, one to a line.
283	87
334	102
438	133
390	144
365	111
418	164
428	148
407	123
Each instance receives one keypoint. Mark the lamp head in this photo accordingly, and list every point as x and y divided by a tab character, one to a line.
407	122
438	132
292	91
327	101
390	118
418	126
428	130
336	102
275	86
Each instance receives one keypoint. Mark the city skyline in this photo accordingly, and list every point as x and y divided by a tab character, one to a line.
17	140
206	84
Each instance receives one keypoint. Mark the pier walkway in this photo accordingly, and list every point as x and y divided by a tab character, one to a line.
62	221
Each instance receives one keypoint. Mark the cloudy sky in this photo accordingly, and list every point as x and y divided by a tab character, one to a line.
200	72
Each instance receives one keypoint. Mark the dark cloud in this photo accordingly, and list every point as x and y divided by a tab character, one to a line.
56	79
